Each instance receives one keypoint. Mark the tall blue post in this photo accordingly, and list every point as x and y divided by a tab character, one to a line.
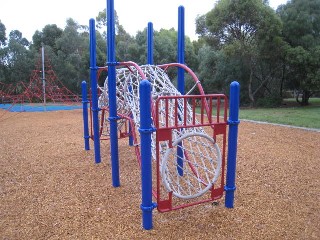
181	48
130	134
150	43
233	122
130	127
85	115
94	91
146	165
112	93
180	87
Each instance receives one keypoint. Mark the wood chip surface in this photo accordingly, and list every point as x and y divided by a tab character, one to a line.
50	187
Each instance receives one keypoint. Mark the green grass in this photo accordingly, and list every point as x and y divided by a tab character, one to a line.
291	114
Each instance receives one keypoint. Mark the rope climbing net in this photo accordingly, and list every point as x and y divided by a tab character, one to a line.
189	159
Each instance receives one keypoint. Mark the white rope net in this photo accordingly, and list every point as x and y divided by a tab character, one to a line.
192	163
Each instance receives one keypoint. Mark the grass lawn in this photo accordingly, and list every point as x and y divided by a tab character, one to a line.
291	114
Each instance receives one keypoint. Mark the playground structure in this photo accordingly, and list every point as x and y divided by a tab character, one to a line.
44	86
179	135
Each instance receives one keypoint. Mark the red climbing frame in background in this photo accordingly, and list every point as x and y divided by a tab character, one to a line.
32	92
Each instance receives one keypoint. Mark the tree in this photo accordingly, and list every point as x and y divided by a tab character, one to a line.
71	56
243	30
101	21
50	33
16	60
2	34
301	22
3	54
125	44
301	30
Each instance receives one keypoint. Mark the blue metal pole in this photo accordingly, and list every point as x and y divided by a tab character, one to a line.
130	133
94	91
130	127
150	43
232	143
180	54
181	48
112	93
85	115
146	165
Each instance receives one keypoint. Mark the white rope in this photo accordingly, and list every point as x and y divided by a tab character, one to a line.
203	177
201	155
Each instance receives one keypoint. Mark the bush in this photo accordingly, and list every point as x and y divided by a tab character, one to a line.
269	102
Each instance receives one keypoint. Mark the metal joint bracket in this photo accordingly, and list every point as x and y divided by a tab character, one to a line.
87	101
147	130
114	118
94	68
230	122
149	208
112	63
228	189
95	109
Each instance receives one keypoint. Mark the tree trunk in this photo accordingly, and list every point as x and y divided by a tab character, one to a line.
305	97
306	94
251	95
282	80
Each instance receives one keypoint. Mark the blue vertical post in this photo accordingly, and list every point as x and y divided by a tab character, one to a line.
85	115
130	133
94	91
180	54
181	48
233	122
130	127
112	93
150	43
146	165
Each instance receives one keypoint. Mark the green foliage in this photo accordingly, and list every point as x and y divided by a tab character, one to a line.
125	45
71	55
2	34
269	102
15	58
301	29
48	36
165	42
301	22
3	53
243	32
246	21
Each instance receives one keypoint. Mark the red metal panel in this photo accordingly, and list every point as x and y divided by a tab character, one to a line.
209	104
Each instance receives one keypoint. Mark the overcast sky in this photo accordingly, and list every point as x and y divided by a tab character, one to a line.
27	16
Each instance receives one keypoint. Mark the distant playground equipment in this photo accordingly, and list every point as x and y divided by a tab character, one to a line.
43	88
179	135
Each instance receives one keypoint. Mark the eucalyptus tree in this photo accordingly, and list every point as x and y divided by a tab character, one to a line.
301	30
3	40
48	36
2	34
242	31
71	56
125	43
17	59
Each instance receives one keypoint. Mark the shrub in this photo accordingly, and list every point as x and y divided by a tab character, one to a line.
269	102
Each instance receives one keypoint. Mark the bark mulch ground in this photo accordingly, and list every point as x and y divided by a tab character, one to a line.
50	187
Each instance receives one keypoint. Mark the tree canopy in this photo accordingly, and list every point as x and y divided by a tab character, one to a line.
301	30
241	32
